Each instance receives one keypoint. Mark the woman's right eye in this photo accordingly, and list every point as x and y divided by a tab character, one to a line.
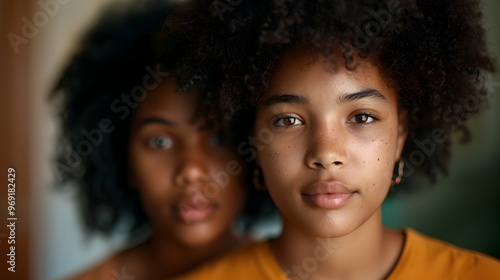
160	142
287	121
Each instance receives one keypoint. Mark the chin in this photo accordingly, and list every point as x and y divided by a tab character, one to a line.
331	232
328	227
198	242
191	235
196	239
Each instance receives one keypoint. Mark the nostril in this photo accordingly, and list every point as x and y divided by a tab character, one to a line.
318	164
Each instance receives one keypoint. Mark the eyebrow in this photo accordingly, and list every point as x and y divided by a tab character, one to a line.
367	93
155	120
344	98
286	99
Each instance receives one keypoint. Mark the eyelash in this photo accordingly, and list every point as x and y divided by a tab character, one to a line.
153	142
368	114
284	116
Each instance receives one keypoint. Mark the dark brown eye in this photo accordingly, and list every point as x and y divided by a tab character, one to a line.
361	118
287	121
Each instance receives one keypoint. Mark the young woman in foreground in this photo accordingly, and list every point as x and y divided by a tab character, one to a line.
342	90
154	159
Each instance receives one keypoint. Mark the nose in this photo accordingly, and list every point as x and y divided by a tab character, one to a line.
192	170
326	149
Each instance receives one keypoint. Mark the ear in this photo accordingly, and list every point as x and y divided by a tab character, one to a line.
258	180
402	132
257	159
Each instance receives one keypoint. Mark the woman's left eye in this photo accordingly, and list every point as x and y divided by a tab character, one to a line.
361	119
215	140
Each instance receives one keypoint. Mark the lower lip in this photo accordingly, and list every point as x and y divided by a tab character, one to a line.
328	201
192	215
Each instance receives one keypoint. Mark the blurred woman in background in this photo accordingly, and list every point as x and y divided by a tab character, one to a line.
153	153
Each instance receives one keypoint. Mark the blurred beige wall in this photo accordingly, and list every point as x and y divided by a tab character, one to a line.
14	143
59	244
37	38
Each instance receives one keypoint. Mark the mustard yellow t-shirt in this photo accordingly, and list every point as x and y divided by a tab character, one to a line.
422	258
427	258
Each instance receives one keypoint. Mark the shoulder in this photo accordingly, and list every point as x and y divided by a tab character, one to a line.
103	270
253	261
125	263
423	256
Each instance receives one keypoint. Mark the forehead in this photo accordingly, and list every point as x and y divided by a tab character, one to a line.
164	101
302	71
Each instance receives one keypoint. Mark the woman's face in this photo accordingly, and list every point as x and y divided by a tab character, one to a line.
336	138
190	183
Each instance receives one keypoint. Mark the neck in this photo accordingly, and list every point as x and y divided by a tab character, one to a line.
368	251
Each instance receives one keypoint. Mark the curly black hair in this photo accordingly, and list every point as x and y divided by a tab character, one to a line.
95	99
434	53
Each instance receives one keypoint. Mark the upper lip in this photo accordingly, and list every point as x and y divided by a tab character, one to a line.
326	187
196	201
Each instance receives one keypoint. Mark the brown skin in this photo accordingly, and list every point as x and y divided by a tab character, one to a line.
325	137
173	161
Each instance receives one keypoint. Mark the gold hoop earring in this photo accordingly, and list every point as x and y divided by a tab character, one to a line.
258	180
400	174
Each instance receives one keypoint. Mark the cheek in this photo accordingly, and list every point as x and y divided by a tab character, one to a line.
279	162
226	171
154	186
152	174
234	196
284	154
282	168
377	161
226	186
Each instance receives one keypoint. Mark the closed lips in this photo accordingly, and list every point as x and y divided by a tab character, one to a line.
191	214
327	194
